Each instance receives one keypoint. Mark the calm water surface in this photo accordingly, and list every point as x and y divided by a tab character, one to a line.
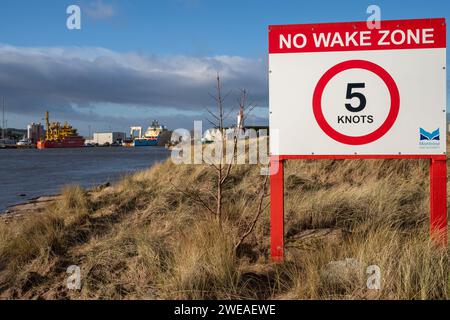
35	173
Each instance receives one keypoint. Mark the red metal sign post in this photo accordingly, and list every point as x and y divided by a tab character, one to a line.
277	209
438	197
438	200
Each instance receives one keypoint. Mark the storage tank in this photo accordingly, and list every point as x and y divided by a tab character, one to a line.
35	132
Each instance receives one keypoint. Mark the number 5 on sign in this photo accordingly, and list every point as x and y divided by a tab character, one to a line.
360	96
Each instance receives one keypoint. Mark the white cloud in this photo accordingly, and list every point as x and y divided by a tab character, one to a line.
58	78
99	10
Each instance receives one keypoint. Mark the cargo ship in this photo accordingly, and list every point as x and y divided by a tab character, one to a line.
151	137
60	136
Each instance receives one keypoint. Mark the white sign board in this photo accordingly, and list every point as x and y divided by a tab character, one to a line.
344	89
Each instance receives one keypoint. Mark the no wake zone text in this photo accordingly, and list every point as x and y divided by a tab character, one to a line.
357	38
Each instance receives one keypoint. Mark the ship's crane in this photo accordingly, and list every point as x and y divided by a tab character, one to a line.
134	129
55	131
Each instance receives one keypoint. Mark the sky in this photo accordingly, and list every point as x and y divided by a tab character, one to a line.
138	60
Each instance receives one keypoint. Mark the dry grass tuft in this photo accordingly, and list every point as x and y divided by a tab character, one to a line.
204	265
41	236
411	268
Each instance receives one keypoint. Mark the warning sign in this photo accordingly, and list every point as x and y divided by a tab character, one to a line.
344	89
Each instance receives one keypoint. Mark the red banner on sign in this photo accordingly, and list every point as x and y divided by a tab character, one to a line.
351	36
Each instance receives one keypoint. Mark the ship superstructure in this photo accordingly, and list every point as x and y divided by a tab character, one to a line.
151	136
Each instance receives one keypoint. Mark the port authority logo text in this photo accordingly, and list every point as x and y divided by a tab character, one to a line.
429	139
215	147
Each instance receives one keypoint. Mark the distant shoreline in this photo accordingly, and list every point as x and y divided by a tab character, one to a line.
36	204
32	205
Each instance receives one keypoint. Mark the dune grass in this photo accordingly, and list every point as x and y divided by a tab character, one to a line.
146	238
35	239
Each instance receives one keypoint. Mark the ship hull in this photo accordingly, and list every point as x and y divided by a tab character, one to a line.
146	142
67	143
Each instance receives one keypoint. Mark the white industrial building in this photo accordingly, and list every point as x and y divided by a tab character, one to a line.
102	138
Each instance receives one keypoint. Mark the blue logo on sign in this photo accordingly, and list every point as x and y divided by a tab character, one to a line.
425	135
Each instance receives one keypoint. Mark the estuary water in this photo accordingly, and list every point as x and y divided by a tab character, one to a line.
29	173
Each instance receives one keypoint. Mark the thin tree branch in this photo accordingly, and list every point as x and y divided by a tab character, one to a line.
196	198
212	114
214	124
258	214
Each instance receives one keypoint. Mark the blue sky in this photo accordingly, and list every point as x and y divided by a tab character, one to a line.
188	27
180	36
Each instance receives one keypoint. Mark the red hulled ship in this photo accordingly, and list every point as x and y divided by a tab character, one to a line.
60	136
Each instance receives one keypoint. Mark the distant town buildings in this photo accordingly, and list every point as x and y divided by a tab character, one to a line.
213	134
13	133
